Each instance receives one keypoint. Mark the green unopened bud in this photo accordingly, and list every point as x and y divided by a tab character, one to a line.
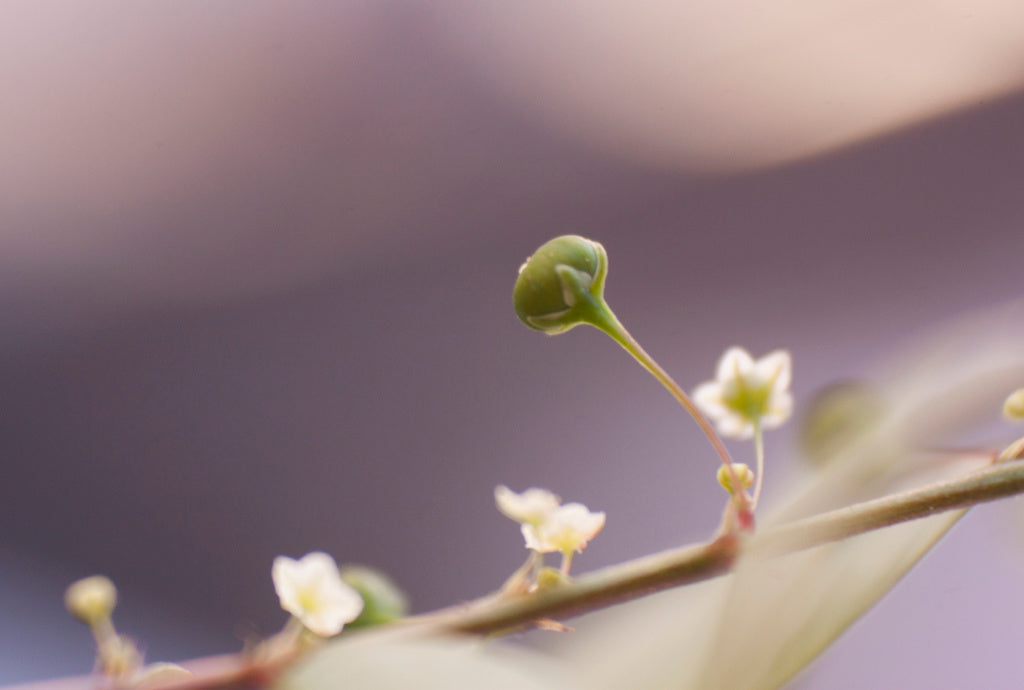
1013	408
549	578
562	285
91	599
743	473
383	601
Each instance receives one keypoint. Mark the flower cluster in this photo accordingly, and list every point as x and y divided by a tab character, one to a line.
547	525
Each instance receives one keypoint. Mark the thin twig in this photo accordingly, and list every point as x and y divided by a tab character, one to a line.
636	578
704	561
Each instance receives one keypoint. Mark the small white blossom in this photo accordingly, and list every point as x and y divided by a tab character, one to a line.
311	589
566	529
531	507
746	391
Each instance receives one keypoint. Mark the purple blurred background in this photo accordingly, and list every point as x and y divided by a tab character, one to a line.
255	289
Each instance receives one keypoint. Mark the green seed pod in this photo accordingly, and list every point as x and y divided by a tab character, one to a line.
562	285
383	601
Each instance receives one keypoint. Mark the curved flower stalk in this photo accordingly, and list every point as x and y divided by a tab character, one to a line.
561	286
760	625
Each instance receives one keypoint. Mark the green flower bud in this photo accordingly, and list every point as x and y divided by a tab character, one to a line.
549	578
1013	408
383	601
743	473
562	285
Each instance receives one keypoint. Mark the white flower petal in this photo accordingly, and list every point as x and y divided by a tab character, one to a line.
736	362
777	367
533	539
708	397
568	529
735	426
780	410
530	507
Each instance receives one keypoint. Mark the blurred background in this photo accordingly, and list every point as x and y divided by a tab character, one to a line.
256	263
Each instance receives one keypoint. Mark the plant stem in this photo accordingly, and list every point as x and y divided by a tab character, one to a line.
603	318
691	564
633	579
759	452
566	562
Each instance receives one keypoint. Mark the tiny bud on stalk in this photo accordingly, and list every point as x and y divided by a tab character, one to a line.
743	473
91	599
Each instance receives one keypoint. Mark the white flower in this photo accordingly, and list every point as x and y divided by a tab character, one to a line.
311	589
531	507
746	391
566	529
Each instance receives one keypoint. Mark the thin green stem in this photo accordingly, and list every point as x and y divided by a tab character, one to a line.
704	561
602	317
619	334
759	452
566	562
495	614
519	581
103	632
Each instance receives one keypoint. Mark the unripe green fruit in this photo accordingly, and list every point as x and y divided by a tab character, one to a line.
561	285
